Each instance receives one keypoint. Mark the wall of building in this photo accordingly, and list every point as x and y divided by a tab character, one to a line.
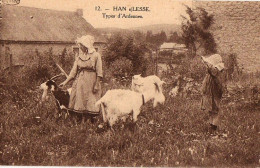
22	53
236	29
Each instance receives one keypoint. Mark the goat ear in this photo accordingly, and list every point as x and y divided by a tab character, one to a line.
44	95
138	75
135	76
43	86
163	82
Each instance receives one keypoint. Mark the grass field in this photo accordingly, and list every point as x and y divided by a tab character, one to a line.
174	134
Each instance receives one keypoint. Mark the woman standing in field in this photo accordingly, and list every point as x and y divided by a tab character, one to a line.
86	72
212	89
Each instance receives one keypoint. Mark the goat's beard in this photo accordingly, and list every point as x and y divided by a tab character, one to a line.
44	95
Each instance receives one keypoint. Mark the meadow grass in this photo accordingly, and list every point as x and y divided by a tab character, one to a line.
173	134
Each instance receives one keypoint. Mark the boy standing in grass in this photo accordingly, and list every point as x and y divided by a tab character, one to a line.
212	89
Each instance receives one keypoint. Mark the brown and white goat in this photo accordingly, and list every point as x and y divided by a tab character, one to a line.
62	97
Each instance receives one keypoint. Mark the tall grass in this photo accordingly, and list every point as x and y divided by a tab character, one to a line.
174	134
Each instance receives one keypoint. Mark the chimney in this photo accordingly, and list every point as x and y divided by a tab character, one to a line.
79	12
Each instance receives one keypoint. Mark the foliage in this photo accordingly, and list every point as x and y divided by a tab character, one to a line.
196	31
139	36
62	56
191	68
244	88
156	39
41	68
127	53
197	69
121	67
175	38
231	65
170	135
194	68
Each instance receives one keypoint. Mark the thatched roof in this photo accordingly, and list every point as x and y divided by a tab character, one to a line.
43	25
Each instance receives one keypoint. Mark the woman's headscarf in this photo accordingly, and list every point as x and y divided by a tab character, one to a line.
88	42
215	60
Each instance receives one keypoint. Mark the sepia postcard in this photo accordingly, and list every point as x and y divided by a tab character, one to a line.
129	83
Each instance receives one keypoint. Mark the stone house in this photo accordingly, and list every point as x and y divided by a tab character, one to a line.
23	30
236	29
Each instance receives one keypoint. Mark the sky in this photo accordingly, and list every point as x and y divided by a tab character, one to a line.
160	11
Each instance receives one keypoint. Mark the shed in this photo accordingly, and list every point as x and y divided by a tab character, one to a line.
174	47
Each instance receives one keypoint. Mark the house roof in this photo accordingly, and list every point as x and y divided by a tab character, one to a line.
172	46
35	24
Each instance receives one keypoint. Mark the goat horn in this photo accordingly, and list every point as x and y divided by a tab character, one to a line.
56	76
62	70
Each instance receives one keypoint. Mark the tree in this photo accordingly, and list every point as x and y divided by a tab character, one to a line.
174	37
125	52
156	39
114	49
163	36
196	31
62	57
139	36
148	36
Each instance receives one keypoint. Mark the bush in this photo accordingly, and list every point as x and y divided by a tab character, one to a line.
21	81
121	67
191	68
194	68
125	55
197	69
231	66
43	65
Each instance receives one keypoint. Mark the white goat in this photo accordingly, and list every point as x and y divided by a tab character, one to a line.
151	85
119	103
